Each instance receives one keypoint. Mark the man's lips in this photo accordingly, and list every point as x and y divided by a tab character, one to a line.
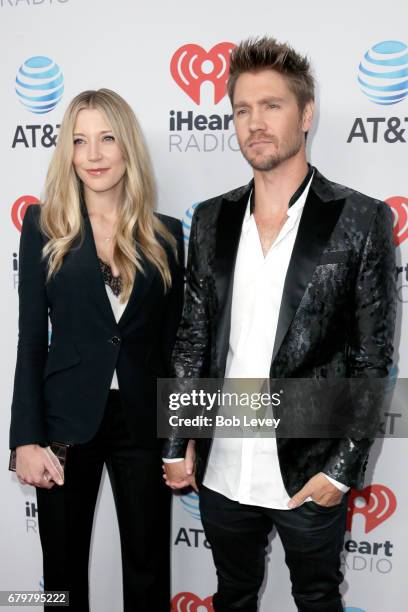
97	171
261	141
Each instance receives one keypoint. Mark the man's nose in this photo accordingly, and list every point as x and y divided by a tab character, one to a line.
256	121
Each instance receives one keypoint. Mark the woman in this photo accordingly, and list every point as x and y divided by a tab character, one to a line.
107	271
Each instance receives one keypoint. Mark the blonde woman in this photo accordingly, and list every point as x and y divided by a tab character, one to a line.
107	271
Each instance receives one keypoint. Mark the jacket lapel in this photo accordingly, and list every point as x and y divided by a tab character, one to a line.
89	264
228	231
140	287
96	287
320	214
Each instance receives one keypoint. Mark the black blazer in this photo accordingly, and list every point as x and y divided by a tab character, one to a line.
60	392
336	318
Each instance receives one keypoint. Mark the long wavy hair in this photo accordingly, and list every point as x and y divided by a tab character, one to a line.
61	216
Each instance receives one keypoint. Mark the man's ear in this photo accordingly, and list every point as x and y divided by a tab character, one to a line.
307	116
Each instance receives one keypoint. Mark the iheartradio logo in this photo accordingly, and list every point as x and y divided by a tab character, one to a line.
399	207
189	602
380	504
18	210
191	65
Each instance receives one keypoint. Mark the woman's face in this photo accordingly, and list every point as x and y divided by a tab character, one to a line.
98	160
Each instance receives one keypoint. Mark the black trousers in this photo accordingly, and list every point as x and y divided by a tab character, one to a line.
65	516
312	538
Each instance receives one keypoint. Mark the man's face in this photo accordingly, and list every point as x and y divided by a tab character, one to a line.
269	124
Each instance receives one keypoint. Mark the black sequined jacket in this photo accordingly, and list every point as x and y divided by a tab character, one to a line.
336	318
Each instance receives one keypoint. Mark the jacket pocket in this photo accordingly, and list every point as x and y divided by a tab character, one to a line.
61	357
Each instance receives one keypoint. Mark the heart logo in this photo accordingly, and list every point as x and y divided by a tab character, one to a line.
189	602
380	504
399	207
19	209
191	65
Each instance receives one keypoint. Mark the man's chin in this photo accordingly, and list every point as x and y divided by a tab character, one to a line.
265	164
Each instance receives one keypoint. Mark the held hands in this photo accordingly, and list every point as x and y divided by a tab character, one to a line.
320	489
180	474
38	466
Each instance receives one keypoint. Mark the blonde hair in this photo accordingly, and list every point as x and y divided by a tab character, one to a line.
61	216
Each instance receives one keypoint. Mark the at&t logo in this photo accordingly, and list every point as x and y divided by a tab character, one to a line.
39	84
191	66
19	208
189	602
187	219
39	87
191	504
383	78
383	72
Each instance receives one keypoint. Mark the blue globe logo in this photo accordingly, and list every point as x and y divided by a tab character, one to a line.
383	72
354	610
191	503
39	84
187	222
392	379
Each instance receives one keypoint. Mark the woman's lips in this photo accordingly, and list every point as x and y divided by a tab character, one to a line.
97	171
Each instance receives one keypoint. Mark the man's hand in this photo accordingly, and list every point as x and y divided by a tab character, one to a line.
180	474
321	490
38	466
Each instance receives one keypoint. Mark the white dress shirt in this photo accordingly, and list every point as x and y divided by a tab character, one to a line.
247	469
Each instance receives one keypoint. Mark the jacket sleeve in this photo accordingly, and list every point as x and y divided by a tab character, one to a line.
175	298
371	343
191	347
27	411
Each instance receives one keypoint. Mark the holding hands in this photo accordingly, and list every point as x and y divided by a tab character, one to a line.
180	474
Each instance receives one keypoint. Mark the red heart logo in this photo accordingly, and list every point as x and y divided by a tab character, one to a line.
191	65
189	602
380	504
19	209
399	207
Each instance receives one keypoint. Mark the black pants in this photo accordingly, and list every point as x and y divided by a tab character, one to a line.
312	538
142	502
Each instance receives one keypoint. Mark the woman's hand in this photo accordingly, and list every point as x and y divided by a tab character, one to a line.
38	466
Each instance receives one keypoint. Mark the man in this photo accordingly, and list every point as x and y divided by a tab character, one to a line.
291	276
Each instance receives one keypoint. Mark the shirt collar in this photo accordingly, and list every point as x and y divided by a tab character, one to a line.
296	202
294	197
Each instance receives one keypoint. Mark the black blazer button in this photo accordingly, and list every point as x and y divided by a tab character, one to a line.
114	340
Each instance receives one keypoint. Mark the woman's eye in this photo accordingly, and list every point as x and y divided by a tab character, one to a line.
78	141
109	138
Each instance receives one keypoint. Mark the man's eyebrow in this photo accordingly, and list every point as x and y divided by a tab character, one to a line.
262	101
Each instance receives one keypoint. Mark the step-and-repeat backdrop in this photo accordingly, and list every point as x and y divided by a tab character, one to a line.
168	59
